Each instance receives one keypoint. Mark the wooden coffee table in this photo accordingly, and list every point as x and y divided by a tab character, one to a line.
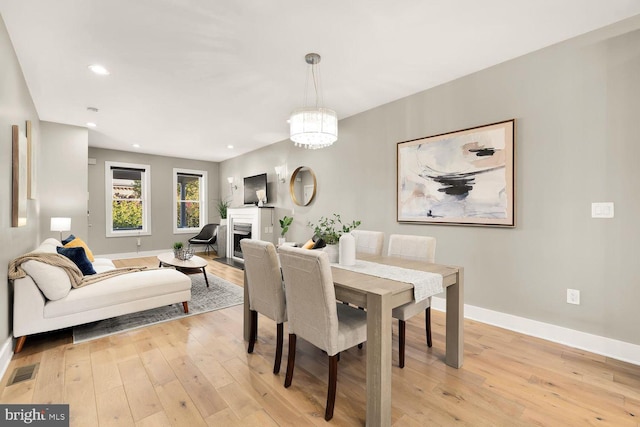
193	265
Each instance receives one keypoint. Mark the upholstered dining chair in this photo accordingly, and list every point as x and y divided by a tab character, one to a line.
207	236
368	242
315	316
266	293
420	248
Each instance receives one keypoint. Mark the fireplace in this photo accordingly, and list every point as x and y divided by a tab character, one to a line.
251	222
241	230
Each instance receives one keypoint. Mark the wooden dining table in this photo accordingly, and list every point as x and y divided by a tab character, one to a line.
379	296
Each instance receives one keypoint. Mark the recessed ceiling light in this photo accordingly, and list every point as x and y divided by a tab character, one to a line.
91	124
230	147
99	69
135	145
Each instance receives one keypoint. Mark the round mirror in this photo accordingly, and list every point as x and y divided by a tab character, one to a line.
303	186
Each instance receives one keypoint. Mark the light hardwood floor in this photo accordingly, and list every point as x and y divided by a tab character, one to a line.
196	371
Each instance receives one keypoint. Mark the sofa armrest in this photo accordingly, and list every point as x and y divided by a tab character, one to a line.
28	308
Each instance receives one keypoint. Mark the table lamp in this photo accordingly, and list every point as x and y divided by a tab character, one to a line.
60	224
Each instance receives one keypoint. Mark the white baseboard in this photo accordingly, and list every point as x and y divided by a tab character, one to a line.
615	349
128	255
6	353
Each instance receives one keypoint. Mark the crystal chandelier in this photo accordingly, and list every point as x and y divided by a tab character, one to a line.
313	127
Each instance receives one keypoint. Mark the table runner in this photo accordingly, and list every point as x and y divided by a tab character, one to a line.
425	284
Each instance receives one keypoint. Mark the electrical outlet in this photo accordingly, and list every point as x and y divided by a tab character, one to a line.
573	296
138	242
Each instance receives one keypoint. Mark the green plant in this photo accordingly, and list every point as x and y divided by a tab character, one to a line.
284	224
177	246
330	229
222	207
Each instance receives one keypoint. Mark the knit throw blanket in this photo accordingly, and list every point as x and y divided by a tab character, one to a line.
72	270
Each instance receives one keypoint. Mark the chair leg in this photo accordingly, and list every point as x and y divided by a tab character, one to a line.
427	325
331	390
401	339
276	365
291	360
253	330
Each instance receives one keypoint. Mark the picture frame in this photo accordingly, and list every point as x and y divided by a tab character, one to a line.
19	178
465	177
31	163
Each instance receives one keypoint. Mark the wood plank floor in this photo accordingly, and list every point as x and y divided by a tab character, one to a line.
196	372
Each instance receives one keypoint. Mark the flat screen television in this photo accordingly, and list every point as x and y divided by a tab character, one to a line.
253	184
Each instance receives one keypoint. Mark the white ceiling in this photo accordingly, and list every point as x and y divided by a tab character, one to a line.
189	77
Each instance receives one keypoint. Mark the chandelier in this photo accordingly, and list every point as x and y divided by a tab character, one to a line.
313	127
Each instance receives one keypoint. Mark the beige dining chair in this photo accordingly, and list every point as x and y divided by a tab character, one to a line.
266	293
420	248
315	316
368	242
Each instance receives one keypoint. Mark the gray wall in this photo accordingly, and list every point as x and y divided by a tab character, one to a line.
16	107
63	189
162	236
577	110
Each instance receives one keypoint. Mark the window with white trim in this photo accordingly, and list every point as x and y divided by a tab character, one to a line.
189	200
128	199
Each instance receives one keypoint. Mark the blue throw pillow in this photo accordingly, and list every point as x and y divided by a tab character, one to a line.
68	239
79	257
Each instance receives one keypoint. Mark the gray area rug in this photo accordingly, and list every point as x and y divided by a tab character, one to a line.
220	294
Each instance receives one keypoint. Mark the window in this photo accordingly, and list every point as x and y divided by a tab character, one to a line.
128	199
189	200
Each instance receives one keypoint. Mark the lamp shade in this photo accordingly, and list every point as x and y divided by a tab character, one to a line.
60	224
313	127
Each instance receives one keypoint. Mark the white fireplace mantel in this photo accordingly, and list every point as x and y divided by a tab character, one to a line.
262	220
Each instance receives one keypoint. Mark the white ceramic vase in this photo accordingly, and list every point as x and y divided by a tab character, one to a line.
347	252
281	241
332	252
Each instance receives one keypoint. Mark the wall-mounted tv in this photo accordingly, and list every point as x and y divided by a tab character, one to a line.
253	184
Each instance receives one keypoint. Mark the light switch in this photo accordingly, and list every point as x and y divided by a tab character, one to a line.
602	210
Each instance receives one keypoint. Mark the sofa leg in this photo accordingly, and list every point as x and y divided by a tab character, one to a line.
185	306
20	343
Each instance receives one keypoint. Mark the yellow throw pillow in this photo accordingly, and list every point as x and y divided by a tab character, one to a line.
77	242
309	244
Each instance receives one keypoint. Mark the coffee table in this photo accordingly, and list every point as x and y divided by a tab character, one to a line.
193	265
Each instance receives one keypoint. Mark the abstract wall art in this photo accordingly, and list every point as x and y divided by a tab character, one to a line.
464	177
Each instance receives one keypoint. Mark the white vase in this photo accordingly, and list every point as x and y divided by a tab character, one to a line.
347	249
281	241
332	252
223	221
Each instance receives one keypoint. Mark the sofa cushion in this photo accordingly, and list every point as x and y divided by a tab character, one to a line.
48	246
78	256
76	243
53	281
118	290
100	265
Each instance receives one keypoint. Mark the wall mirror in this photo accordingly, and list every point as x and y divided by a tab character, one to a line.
303	186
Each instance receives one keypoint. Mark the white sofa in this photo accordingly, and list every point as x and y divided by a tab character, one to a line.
45	301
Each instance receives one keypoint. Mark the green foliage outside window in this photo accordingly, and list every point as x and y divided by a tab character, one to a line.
188	206
127	214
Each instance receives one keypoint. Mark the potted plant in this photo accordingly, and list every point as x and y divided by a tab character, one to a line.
177	247
222	207
284	225
330	230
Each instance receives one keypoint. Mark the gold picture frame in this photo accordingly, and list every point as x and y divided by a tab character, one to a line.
19	178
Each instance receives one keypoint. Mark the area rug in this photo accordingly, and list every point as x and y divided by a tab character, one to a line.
220	294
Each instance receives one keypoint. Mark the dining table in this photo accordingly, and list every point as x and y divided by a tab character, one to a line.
379	296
